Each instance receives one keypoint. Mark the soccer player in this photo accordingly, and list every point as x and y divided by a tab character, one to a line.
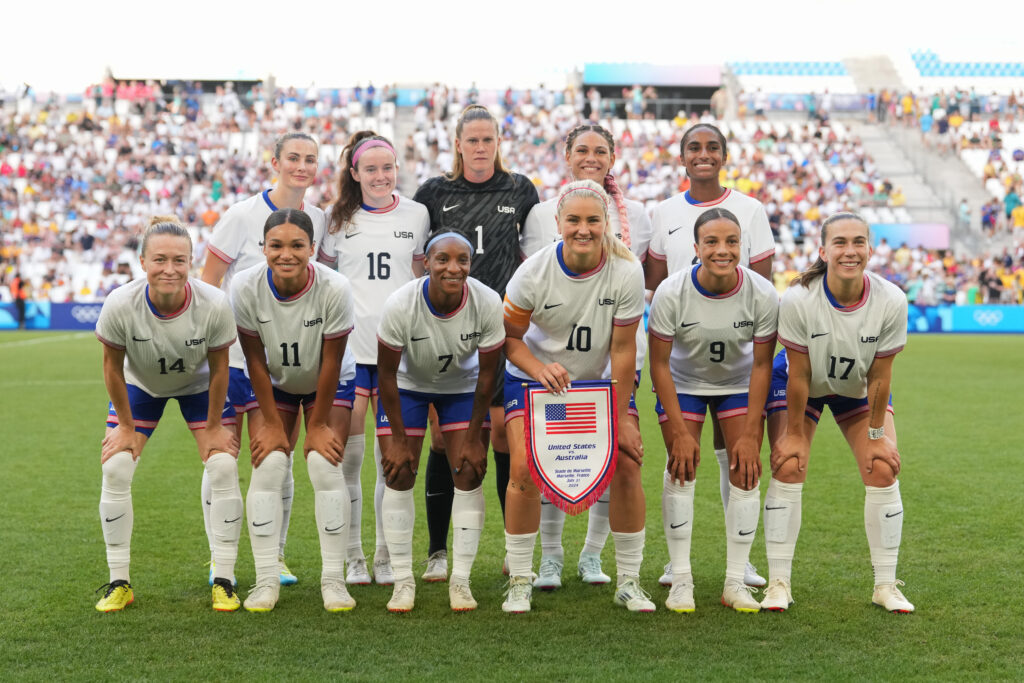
294	317
164	337
712	329
703	151
842	327
236	244
488	205
439	343
375	238
590	155
571	313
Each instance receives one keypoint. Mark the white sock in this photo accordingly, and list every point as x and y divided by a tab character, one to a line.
378	503
467	523
741	519
116	517
205	497
351	466
332	510
722	455
781	526
598	527
552	520
883	522
287	497
399	515
629	553
263	510
519	553
677	518
221	471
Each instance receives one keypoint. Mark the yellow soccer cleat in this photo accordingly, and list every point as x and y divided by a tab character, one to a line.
224	597
117	595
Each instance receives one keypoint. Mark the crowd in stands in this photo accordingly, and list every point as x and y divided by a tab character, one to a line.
78	183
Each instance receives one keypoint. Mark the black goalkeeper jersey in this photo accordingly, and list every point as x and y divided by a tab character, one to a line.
489	214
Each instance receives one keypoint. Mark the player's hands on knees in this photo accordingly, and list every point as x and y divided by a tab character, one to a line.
883	449
683	457
324	440
220	439
474	455
745	459
268	438
120	438
554	377
630	442
393	458
791	446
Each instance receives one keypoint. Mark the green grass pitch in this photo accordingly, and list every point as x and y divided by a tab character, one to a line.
957	415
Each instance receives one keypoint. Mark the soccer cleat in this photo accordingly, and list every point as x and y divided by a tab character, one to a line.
752	578
589	569
403	598
740	597
889	597
358	574
666	577
518	595
213	573
630	595
437	567
550	576
262	597
680	598
116	596
460	597
335	594
777	596
287	578
225	599
382	573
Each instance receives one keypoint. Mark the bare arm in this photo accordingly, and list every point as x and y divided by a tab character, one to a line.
122	437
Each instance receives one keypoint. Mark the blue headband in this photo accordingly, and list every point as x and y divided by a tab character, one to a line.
445	235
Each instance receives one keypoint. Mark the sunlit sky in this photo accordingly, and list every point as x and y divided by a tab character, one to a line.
64	45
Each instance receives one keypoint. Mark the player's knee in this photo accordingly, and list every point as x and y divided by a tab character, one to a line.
627	471
269	475
519	470
881	475
403	481
222	470
323	475
467	479
118	471
789	472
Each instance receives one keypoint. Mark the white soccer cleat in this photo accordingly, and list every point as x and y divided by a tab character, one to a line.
460	597
550	576
752	578
890	597
403	598
680	598
358	574
630	595
336	596
382	572
437	567
263	596
518	595
666	577
740	597
589	569
777	596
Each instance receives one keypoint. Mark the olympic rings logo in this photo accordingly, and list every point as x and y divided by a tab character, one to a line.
988	318
86	314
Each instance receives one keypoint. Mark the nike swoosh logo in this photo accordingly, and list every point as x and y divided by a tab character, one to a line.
747	533
352	235
334	529
262	523
689	324
449	208
675	229
676	526
547	306
781	507
232	521
208	503
114	519
134	338
431	495
819	334
262	321
354	500
420	338
895	514
546	502
284	498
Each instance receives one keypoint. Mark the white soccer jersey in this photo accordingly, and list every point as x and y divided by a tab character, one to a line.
842	342
237	240
672	225
167	355
439	352
292	329
571	316
376	254
542	227
713	335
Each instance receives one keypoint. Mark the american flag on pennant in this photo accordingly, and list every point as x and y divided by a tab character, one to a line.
570	418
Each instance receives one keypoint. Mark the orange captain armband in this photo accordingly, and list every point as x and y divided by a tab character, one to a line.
515	315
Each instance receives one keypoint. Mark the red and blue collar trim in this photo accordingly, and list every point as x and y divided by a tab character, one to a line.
277	295
384	209
175	314
574	275
438	314
838	306
714	202
708	293
273	207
